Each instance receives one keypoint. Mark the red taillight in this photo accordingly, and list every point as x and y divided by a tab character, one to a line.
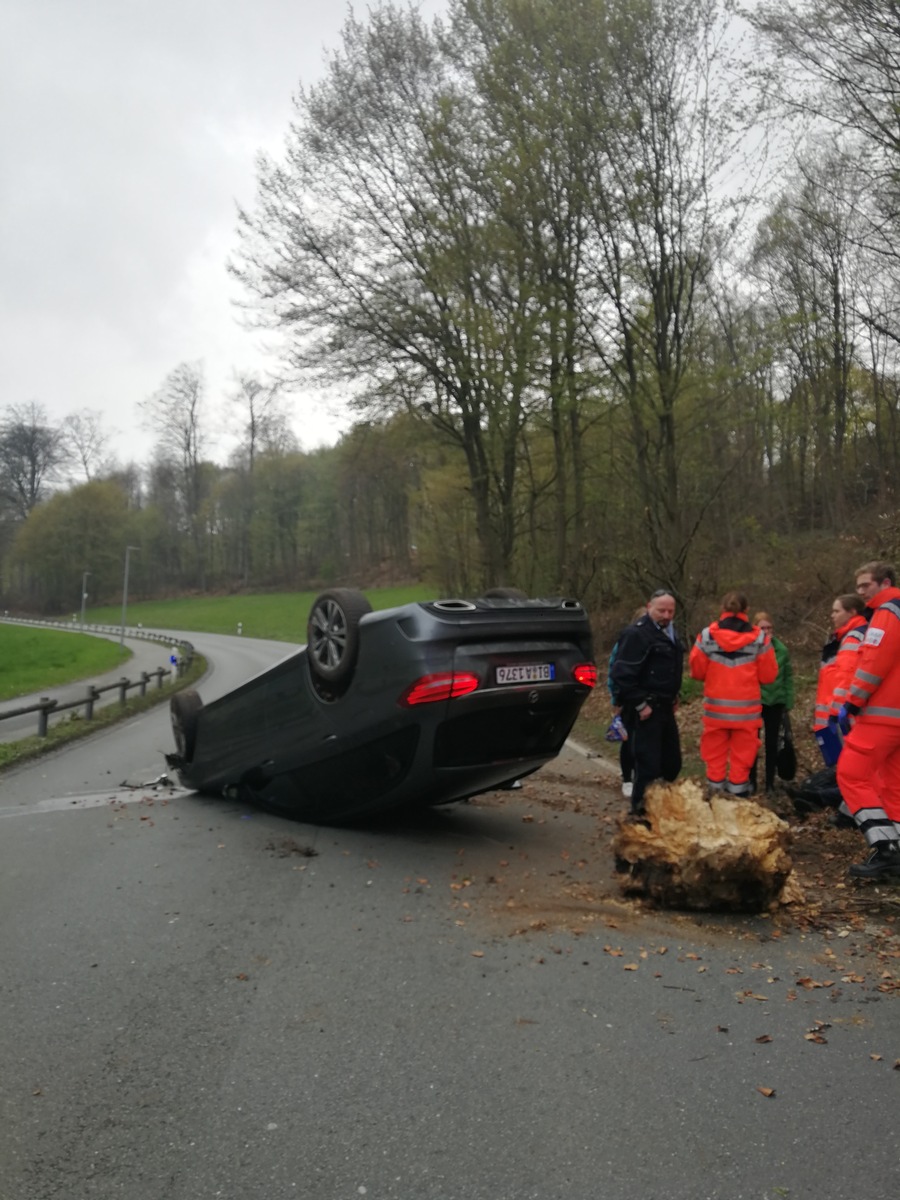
431	688
586	673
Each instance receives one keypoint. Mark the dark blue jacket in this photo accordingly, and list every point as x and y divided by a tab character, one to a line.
648	665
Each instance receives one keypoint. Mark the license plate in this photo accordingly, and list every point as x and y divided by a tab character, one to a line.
526	673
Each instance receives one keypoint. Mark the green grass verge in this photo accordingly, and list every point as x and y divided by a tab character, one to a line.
75	726
280	616
33	659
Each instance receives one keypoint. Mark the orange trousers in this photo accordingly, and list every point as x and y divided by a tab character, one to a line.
729	751
868	771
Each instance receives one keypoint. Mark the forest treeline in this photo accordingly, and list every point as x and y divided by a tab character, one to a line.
611	287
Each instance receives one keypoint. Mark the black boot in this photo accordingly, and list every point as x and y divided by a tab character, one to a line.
883	862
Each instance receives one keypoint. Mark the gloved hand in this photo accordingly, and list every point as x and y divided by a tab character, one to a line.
844	719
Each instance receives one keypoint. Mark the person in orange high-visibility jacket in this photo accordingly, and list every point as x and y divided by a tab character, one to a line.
836	671
868	770
732	658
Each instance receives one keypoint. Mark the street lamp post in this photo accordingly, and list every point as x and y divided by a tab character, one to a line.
84	580
128	550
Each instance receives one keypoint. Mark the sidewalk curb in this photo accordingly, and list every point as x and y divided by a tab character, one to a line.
606	767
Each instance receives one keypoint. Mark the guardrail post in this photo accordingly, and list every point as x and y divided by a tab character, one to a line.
47	706
124	685
144	679
92	695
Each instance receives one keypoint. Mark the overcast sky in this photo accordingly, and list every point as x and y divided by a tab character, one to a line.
128	130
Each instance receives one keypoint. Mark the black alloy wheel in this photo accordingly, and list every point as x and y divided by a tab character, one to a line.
332	634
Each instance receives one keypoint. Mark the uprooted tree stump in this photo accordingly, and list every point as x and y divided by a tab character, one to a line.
719	855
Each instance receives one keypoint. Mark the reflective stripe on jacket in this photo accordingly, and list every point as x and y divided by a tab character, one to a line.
733	658
875	686
838	666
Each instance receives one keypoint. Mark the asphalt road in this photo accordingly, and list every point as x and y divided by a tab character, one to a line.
202	1001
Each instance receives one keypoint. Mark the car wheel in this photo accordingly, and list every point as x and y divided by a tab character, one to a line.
332	634
185	708
505	593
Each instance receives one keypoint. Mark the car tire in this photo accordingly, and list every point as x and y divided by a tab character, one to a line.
505	593
332	635
184	709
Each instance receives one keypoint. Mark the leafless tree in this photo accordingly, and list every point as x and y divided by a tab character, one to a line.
836	63
264	429
836	60
264	424
88	443
32	454
176	411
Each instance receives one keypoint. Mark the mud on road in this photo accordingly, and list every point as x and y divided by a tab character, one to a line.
557	873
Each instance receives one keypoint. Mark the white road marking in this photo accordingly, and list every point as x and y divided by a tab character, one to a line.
110	799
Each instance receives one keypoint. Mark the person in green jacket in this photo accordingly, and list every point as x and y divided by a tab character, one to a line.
777	699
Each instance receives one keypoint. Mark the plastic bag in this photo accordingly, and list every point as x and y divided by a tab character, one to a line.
617	731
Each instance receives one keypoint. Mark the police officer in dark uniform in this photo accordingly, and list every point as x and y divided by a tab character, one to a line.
646	678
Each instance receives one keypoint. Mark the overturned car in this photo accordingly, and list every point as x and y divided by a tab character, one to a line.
423	704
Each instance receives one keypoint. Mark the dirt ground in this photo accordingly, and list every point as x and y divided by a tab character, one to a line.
558	874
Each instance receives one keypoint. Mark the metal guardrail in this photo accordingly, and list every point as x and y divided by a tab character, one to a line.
48	706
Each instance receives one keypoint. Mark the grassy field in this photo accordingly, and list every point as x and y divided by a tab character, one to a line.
33	659
279	615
